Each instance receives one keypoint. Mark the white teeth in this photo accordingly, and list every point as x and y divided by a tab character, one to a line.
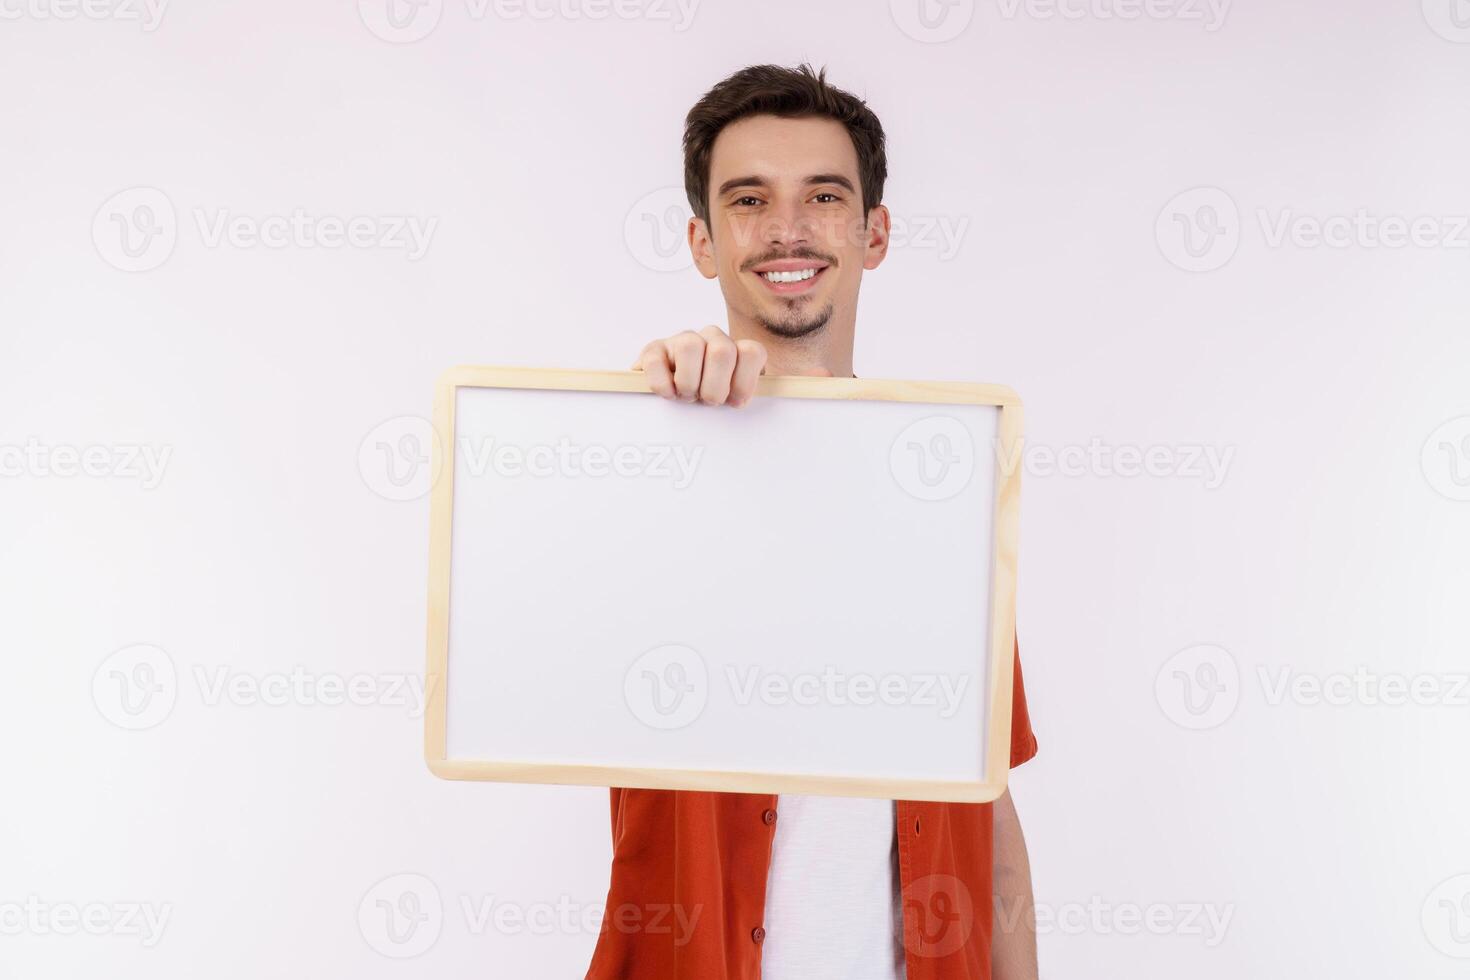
796	276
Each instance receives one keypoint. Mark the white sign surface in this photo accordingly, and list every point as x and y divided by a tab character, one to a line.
798	596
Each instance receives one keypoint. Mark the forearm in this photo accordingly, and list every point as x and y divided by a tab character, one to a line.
1013	937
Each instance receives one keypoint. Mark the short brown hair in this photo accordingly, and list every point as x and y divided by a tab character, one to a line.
789	93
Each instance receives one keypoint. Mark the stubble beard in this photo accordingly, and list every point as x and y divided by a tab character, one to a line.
795	326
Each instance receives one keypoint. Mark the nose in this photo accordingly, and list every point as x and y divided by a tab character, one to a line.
788	227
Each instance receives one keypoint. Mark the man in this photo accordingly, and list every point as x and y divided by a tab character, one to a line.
785	176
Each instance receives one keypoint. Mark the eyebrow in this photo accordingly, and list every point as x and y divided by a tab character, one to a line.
755	180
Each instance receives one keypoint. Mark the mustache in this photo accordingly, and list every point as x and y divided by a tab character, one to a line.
801	253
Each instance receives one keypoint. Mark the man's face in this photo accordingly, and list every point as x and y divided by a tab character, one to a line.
787	234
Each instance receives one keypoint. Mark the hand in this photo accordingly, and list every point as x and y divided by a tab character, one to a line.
706	366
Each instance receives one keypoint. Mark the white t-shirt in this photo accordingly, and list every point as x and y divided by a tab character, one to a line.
833	909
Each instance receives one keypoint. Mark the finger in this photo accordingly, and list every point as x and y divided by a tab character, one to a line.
720	357
750	365
654	362
687	352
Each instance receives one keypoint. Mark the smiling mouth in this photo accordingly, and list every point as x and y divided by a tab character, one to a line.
789	282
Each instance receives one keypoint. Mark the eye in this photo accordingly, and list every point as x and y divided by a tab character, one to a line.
748	201
828	194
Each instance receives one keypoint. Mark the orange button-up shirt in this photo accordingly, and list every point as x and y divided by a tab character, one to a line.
688	891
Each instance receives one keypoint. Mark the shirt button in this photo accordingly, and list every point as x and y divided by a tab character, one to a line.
758	934
769	817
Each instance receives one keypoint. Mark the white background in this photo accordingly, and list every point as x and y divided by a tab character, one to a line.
544	149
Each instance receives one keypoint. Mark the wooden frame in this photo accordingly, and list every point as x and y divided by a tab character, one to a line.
1006	520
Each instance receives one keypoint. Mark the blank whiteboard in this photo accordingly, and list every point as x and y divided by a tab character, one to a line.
813	593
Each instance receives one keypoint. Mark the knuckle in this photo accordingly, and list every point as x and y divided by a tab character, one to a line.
720	355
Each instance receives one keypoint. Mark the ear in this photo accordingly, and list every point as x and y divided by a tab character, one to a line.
702	247
875	246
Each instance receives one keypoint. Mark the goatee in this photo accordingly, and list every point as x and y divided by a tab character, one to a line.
796	327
